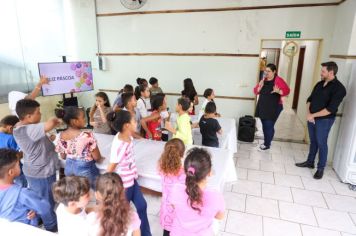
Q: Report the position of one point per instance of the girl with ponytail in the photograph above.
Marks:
(123, 163)
(113, 215)
(79, 148)
(171, 171)
(195, 205)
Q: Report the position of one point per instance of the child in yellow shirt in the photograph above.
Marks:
(183, 130)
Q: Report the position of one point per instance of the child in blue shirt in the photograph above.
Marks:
(7, 140)
(17, 203)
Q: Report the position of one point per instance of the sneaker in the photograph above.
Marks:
(263, 147)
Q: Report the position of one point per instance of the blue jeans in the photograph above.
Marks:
(43, 187)
(21, 179)
(318, 135)
(82, 168)
(135, 195)
(268, 128)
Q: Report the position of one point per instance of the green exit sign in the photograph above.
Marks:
(293, 34)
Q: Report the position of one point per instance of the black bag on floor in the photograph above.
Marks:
(247, 128)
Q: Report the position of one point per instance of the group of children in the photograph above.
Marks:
(187, 207)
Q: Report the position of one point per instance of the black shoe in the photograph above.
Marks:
(305, 164)
(319, 174)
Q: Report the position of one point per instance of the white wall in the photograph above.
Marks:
(222, 32)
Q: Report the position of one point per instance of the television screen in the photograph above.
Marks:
(66, 77)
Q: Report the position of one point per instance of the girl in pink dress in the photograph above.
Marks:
(196, 206)
(171, 170)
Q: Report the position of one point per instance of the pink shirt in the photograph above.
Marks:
(122, 154)
(281, 84)
(79, 148)
(167, 211)
(189, 222)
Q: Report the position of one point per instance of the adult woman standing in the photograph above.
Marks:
(190, 93)
(270, 89)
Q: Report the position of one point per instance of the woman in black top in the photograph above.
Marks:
(190, 93)
(270, 90)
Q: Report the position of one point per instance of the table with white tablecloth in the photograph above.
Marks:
(148, 152)
(228, 138)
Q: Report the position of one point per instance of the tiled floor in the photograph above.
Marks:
(288, 127)
(272, 197)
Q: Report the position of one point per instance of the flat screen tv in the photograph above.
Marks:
(66, 77)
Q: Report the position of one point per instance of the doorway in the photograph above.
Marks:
(300, 71)
(298, 78)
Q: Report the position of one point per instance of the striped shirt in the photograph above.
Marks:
(122, 155)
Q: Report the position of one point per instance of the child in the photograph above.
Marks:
(143, 100)
(123, 163)
(172, 172)
(21, 204)
(155, 89)
(184, 129)
(79, 148)
(195, 206)
(113, 216)
(118, 104)
(209, 97)
(190, 93)
(209, 126)
(72, 194)
(130, 104)
(99, 112)
(152, 124)
(40, 159)
(7, 140)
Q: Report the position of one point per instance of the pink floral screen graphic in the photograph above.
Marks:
(69, 77)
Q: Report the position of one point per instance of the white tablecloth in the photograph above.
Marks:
(228, 139)
(147, 154)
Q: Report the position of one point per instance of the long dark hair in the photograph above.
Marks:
(114, 210)
(157, 101)
(118, 119)
(189, 89)
(197, 167)
(105, 97)
(139, 89)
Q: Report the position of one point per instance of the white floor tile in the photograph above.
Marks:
(247, 187)
(241, 173)
(346, 234)
(334, 220)
(248, 163)
(272, 166)
(153, 204)
(342, 188)
(288, 180)
(244, 224)
(156, 228)
(235, 201)
(314, 231)
(229, 234)
(340, 203)
(353, 217)
(291, 169)
(274, 227)
(242, 154)
(276, 192)
(297, 213)
(307, 197)
(321, 185)
(261, 176)
(260, 155)
(262, 207)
